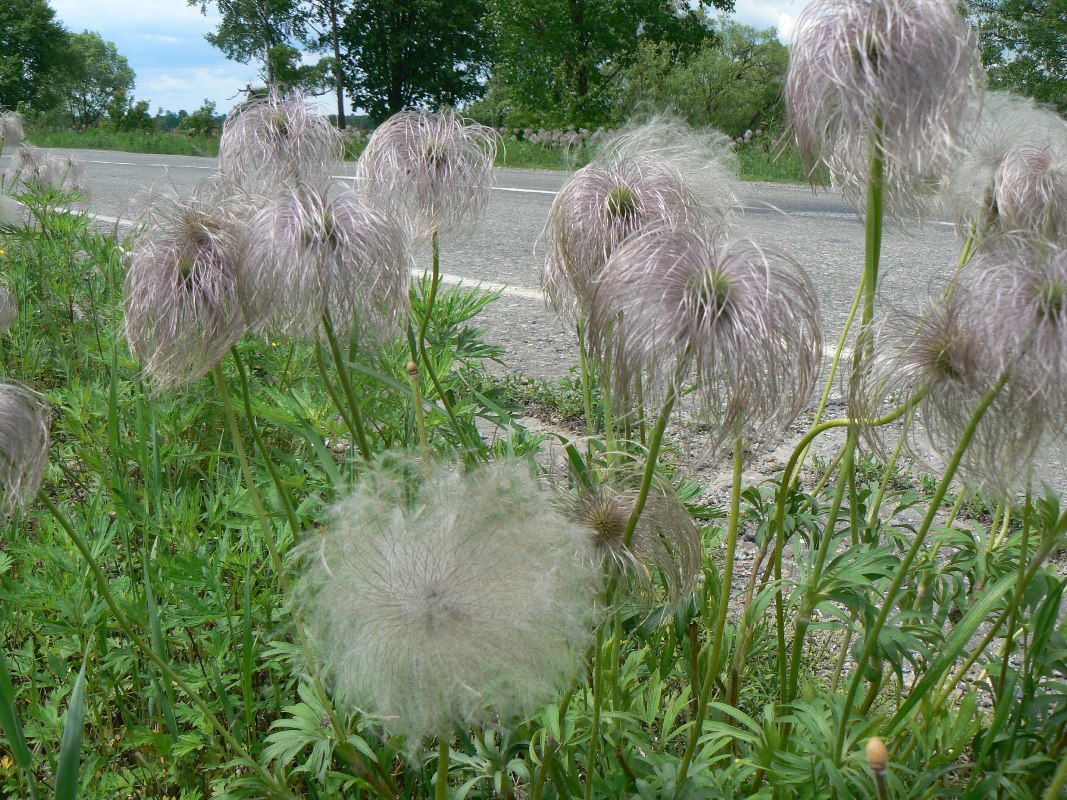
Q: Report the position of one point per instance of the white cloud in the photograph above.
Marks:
(186, 88)
(762, 14)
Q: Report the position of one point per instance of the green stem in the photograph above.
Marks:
(346, 386)
(587, 389)
(598, 691)
(420, 412)
(873, 221)
(810, 597)
(871, 640)
(250, 481)
(435, 280)
(1059, 782)
(331, 390)
(168, 671)
(720, 617)
(650, 464)
(279, 484)
(441, 784)
(1009, 634)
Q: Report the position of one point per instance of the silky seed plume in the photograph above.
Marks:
(309, 251)
(464, 600)
(23, 445)
(905, 71)
(182, 306)
(436, 168)
(278, 141)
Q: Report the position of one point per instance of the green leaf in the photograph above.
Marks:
(71, 744)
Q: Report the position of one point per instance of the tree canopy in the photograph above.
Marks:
(404, 53)
(96, 76)
(33, 47)
(562, 58)
(1024, 46)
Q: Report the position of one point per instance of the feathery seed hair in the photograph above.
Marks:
(665, 539)
(908, 69)
(9, 308)
(181, 301)
(1031, 193)
(278, 141)
(744, 320)
(944, 361)
(23, 445)
(42, 170)
(11, 130)
(311, 250)
(435, 168)
(600, 207)
(1007, 123)
(466, 600)
(1021, 286)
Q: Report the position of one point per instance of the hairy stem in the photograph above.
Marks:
(720, 616)
(346, 386)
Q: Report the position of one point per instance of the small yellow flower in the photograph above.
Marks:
(6, 763)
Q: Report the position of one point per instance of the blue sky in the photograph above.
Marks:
(176, 68)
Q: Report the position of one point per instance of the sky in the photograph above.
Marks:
(176, 68)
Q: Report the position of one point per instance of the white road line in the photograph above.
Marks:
(147, 164)
(525, 191)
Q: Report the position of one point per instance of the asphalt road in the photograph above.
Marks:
(818, 229)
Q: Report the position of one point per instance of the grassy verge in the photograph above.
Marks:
(172, 144)
(756, 163)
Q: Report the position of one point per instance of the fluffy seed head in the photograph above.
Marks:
(436, 168)
(309, 251)
(23, 445)
(181, 302)
(1009, 124)
(1031, 189)
(278, 141)
(665, 539)
(601, 206)
(743, 319)
(42, 170)
(907, 68)
(464, 600)
(944, 361)
(11, 131)
(9, 308)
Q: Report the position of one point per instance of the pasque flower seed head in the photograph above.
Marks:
(23, 445)
(181, 301)
(309, 251)
(276, 142)
(906, 72)
(463, 600)
(435, 168)
(741, 318)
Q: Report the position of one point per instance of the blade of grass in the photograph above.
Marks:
(71, 745)
(12, 727)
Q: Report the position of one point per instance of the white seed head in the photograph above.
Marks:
(742, 319)
(664, 543)
(23, 445)
(435, 168)
(309, 251)
(277, 142)
(1009, 127)
(181, 301)
(9, 308)
(908, 69)
(43, 170)
(600, 207)
(11, 130)
(464, 600)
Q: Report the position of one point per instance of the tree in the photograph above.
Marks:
(558, 59)
(96, 75)
(405, 53)
(734, 83)
(250, 29)
(1024, 46)
(327, 35)
(33, 46)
